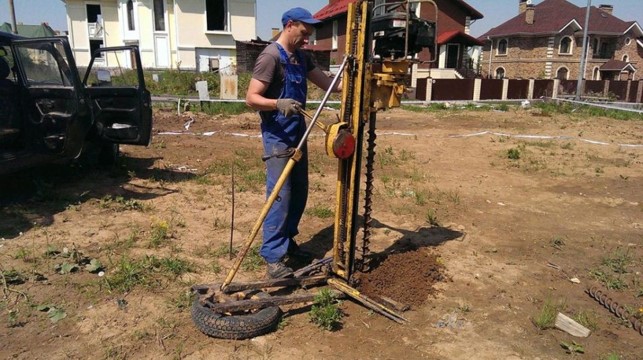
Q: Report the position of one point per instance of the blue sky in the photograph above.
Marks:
(495, 12)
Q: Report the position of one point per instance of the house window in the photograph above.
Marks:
(626, 58)
(628, 41)
(500, 73)
(503, 44)
(159, 15)
(334, 47)
(595, 44)
(312, 38)
(217, 15)
(93, 11)
(130, 16)
(596, 74)
(562, 73)
(95, 45)
(565, 46)
(378, 10)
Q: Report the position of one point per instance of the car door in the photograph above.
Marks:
(56, 116)
(121, 104)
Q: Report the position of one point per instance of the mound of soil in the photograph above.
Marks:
(407, 277)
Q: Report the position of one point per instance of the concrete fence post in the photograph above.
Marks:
(477, 86)
(530, 91)
(429, 89)
(639, 93)
(606, 88)
(627, 90)
(505, 88)
(554, 92)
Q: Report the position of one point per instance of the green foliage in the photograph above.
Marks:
(618, 261)
(586, 111)
(614, 269)
(573, 347)
(159, 233)
(546, 318)
(13, 277)
(611, 356)
(325, 312)
(513, 153)
(148, 271)
(432, 217)
(587, 319)
(54, 313)
(253, 260)
(320, 211)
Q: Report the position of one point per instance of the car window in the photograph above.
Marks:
(44, 64)
(122, 69)
(7, 56)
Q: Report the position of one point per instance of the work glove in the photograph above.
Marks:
(288, 107)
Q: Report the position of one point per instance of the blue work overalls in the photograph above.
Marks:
(280, 136)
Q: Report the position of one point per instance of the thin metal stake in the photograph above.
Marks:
(232, 221)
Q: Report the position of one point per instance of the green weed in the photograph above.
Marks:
(183, 300)
(160, 233)
(432, 217)
(513, 153)
(618, 261)
(325, 312)
(320, 211)
(587, 319)
(573, 347)
(612, 282)
(253, 260)
(611, 356)
(546, 318)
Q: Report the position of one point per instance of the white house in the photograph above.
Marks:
(185, 34)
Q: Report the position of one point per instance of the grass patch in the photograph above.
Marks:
(587, 318)
(149, 271)
(546, 317)
(320, 211)
(325, 311)
(253, 260)
(614, 270)
(587, 111)
(160, 233)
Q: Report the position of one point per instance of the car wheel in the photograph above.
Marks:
(236, 326)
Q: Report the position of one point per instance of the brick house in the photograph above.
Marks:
(545, 41)
(454, 18)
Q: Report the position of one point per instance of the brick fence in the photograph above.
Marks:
(509, 89)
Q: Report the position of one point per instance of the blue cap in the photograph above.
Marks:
(299, 14)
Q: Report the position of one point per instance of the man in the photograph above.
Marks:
(278, 90)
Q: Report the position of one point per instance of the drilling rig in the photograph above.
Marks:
(380, 52)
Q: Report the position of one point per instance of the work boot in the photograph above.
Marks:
(278, 270)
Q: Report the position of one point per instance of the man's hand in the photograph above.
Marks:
(288, 107)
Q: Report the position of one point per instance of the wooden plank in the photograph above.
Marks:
(252, 304)
(570, 326)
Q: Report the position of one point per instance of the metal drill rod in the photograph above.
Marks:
(323, 103)
(280, 182)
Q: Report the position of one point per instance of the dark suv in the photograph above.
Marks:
(49, 113)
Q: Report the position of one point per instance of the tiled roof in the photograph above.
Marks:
(341, 6)
(551, 16)
(332, 10)
(459, 36)
(41, 30)
(616, 65)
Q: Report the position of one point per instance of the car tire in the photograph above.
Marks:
(237, 326)
(99, 153)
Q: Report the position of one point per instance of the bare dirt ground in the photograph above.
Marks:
(510, 220)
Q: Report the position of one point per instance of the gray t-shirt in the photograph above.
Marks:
(268, 69)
